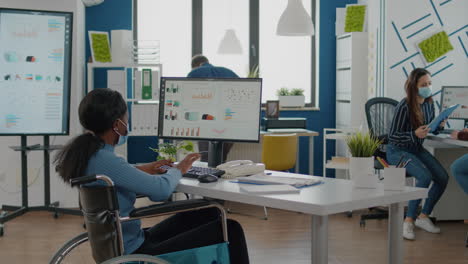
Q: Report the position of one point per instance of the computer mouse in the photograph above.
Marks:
(207, 178)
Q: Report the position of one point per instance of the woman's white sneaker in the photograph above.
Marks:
(408, 230)
(426, 224)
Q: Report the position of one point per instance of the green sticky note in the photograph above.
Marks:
(435, 46)
(355, 18)
(146, 89)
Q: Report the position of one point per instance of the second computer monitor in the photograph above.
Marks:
(452, 95)
(210, 109)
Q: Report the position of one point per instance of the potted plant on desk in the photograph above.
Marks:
(291, 98)
(362, 147)
(174, 151)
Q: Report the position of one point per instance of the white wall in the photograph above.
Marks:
(10, 165)
(389, 17)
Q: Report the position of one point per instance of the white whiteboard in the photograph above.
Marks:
(408, 22)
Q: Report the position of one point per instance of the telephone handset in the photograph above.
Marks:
(238, 168)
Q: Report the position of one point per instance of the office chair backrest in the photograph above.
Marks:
(279, 151)
(101, 214)
(379, 113)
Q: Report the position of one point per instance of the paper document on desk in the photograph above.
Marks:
(271, 179)
(269, 189)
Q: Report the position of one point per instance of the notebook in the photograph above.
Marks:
(268, 189)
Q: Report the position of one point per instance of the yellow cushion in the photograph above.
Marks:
(279, 151)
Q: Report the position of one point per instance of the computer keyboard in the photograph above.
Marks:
(195, 171)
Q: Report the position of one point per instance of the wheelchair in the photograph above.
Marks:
(103, 223)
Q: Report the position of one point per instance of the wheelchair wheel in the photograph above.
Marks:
(76, 250)
(136, 259)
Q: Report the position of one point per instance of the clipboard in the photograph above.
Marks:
(441, 117)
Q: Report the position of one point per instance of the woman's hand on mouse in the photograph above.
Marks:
(187, 162)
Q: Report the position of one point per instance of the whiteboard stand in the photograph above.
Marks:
(15, 211)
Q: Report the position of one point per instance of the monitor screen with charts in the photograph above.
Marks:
(35, 72)
(452, 95)
(210, 109)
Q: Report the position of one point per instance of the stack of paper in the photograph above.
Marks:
(269, 189)
(274, 180)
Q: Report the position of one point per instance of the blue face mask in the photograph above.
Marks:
(122, 138)
(425, 92)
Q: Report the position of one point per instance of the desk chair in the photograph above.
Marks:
(379, 114)
(101, 214)
(279, 152)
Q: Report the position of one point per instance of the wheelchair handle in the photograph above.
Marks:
(90, 178)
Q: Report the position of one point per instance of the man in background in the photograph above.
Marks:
(201, 68)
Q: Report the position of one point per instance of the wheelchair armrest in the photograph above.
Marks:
(169, 207)
(83, 180)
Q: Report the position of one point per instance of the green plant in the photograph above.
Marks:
(254, 72)
(169, 150)
(283, 91)
(362, 144)
(296, 91)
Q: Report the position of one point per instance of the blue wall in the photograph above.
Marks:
(110, 15)
(117, 14)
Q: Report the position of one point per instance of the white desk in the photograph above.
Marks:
(445, 138)
(253, 151)
(447, 150)
(334, 196)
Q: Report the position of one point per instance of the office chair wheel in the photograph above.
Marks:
(362, 223)
(66, 253)
(136, 258)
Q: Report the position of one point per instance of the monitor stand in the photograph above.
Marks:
(215, 153)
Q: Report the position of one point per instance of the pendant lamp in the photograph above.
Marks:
(230, 44)
(295, 21)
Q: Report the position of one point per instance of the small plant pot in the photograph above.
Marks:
(292, 100)
(361, 170)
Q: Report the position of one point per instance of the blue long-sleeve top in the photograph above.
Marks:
(207, 70)
(129, 182)
(402, 133)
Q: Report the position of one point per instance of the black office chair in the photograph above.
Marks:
(101, 214)
(379, 113)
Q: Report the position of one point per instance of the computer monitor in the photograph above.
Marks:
(452, 95)
(35, 72)
(216, 110)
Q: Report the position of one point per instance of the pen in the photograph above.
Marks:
(406, 163)
(399, 162)
(382, 161)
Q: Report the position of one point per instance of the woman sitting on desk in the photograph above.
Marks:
(460, 166)
(103, 112)
(406, 137)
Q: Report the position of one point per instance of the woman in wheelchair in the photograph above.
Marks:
(103, 113)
